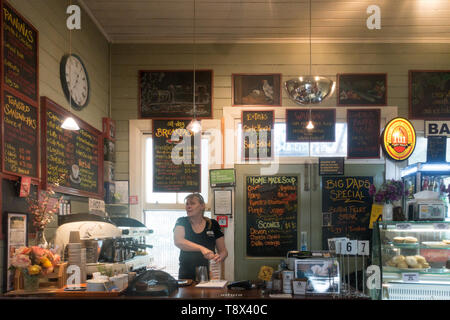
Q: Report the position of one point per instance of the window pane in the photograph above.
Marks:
(420, 152)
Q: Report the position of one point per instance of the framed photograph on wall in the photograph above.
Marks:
(169, 94)
(428, 94)
(17, 230)
(262, 89)
(362, 89)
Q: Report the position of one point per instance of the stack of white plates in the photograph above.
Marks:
(77, 256)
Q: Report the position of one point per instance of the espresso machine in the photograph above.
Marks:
(116, 243)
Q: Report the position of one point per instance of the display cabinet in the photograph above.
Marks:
(414, 260)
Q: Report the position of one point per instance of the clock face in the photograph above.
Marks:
(75, 81)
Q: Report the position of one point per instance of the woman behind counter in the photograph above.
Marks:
(197, 237)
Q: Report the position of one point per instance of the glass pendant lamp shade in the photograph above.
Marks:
(309, 89)
(195, 126)
(70, 124)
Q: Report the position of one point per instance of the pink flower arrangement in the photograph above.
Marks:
(34, 260)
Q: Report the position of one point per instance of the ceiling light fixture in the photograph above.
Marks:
(195, 125)
(309, 89)
(70, 123)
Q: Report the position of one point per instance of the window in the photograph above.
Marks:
(172, 198)
(301, 149)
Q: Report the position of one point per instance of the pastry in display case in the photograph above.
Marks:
(413, 258)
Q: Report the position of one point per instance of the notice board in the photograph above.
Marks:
(363, 133)
(75, 155)
(176, 157)
(271, 211)
(324, 121)
(348, 201)
(257, 134)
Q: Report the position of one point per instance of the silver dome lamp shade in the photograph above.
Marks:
(309, 89)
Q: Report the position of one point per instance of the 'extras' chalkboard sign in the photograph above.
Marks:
(436, 149)
(271, 215)
(20, 54)
(176, 157)
(257, 135)
(363, 133)
(75, 157)
(20, 137)
(348, 201)
(324, 121)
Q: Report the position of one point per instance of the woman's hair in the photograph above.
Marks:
(200, 199)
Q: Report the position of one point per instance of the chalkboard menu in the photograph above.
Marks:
(20, 57)
(348, 201)
(20, 137)
(271, 215)
(363, 133)
(75, 156)
(329, 166)
(176, 157)
(436, 149)
(324, 121)
(257, 138)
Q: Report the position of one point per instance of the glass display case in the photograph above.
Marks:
(414, 260)
(427, 176)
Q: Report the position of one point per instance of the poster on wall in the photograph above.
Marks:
(362, 89)
(16, 225)
(256, 89)
(363, 133)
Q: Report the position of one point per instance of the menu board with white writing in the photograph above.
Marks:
(75, 157)
(176, 157)
(257, 134)
(348, 201)
(20, 137)
(271, 215)
(20, 55)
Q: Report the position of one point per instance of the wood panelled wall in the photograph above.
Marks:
(289, 59)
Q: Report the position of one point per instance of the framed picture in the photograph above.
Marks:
(362, 89)
(262, 89)
(16, 228)
(223, 202)
(428, 94)
(122, 191)
(169, 94)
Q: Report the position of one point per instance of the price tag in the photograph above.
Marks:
(441, 226)
(351, 247)
(410, 277)
(363, 247)
(403, 226)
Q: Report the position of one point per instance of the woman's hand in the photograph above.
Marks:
(207, 254)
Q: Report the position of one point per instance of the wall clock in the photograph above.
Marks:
(74, 81)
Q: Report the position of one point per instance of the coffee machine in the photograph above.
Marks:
(118, 243)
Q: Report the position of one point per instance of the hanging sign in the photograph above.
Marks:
(399, 139)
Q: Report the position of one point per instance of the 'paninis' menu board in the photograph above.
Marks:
(20, 137)
(363, 133)
(324, 121)
(348, 201)
(176, 157)
(257, 135)
(75, 156)
(20, 57)
(271, 215)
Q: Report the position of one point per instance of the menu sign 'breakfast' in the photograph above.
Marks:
(363, 133)
(75, 156)
(257, 137)
(348, 201)
(20, 138)
(176, 157)
(19, 53)
(271, 215)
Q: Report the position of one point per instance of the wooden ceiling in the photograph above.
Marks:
(268, 21)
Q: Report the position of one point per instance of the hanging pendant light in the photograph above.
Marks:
(195, 125)
(70, 123)
(309, 89)
(310, 124)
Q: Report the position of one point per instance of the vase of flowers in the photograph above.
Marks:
(43, 207)
(390, 192)
(33, 262)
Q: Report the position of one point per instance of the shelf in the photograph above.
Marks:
(414, 246)
(429, 271)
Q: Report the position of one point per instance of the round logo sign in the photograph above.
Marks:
(399, 139)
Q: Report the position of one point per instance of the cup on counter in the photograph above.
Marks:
(201, 274)
(74, 237)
